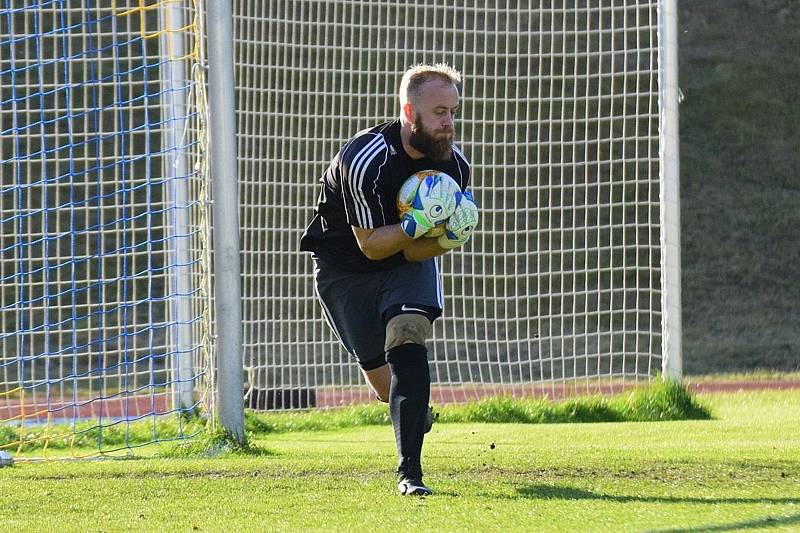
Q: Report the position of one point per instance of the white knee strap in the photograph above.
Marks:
(405, 328)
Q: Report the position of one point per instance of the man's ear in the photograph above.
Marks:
(408, 112)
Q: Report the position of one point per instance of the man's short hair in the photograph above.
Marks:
(418, 75)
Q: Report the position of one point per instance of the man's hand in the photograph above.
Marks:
(461, 224)
(435, 201)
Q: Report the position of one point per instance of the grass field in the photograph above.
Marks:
(739, 471)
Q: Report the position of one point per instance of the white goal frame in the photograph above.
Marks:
(306, 81)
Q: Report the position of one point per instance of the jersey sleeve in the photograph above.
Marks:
(463, 166)
(362, 161)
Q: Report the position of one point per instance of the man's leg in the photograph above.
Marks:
(380, 379)
(349, 304)
(409, 394)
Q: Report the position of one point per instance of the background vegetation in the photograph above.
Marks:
(740, 188)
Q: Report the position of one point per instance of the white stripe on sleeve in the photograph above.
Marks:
(361, 163)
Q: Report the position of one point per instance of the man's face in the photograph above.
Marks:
(433, 129)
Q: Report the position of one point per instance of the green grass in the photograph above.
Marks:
(761, 375)
(88, 434)
(214, 442)
(738, 471)
(657, 401)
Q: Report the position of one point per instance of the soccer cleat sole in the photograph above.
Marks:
(410, 488)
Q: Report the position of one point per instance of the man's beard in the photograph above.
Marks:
(438, 149)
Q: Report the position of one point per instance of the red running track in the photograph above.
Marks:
(160, 404)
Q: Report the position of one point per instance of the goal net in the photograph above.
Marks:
(560, 289)
(103, 239)
(104, 233)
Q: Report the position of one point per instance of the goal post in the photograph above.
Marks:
(226, 220)
(175, 85)
(572, 279)
(669, 98)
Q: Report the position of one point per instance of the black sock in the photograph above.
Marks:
(409, 396)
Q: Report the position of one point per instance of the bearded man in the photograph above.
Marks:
(377, 281)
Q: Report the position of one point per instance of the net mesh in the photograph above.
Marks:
(104, 282)
(560, 288)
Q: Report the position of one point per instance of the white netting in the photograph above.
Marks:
(560, 121)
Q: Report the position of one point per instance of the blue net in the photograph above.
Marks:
(103, 266)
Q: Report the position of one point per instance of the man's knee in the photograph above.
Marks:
(379, 380)
(407, 328)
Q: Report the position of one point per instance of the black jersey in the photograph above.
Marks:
(360, 187)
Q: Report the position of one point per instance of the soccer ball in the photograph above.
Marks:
(408, 192)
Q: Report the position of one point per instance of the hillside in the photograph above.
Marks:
(740, 188)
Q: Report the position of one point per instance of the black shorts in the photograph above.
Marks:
(357, 306)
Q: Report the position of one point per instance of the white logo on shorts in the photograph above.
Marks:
(405, 308)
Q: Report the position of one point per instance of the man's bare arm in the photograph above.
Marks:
(386, 241)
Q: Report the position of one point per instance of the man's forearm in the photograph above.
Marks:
(381, 242)
(422, 249)
(386, 241)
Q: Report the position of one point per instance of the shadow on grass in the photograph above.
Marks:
(548, 492)
(757, 523)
